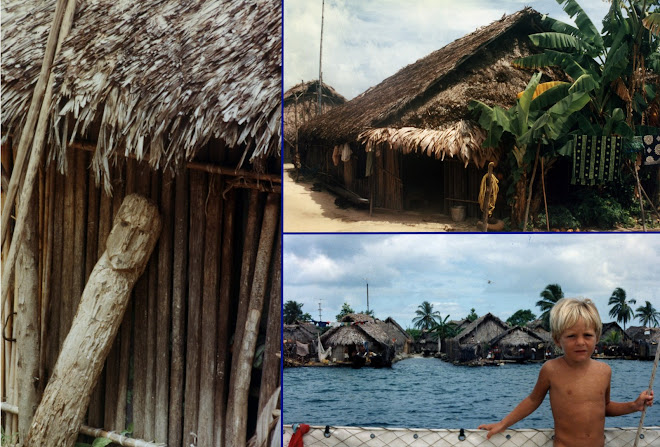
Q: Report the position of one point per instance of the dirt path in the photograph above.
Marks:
(307, 211)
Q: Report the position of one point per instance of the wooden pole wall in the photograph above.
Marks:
(187, 309)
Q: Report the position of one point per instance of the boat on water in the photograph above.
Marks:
(329, 436)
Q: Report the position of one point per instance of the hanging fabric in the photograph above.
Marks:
(346, 153)
(323, 353)
(651, 149)
(302, 349)
(336, 155)
(595, 159)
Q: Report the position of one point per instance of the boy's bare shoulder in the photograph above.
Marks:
(601, 367)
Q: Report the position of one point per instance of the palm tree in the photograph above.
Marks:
(549, 297)
(426, 317)
(292, 312)
(647, 315)
(621, 309)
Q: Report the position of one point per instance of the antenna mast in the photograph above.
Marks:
(320, 85)
(320, 310)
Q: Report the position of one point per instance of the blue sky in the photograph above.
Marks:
(497, 273)
(366, 41)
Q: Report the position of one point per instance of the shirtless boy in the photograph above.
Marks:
(579, 386)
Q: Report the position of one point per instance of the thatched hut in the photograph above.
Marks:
(475, 340)
(427, 343)
(519, 343)
(300, 104)
(414, 129)
(645, 340)
(623, 347)
(348, 339)
(397, 335)
(300, 332)
(178, 101)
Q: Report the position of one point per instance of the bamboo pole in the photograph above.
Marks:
(26, 393)
(545, 199)
(96, 432)
(164, 307)
(27, 134)
(142, 428)
(209, 343)
(240, 375)
(68, 295)
(179, 281)
(222, 331)
(270, 372)
(195, 288)
(55, 302)
(35, 159)
(531, 185)
(152, 315)
(655, 367)
(46, 275)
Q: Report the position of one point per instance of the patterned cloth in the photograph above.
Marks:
(595, 159)
(651, 154)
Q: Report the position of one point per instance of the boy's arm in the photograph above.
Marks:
(524, 408)
(645, 399)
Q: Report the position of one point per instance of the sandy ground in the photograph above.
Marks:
(307, 211)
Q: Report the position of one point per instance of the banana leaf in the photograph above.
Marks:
(561, 41)
(584, 83)
(582, 21)
(494, 120)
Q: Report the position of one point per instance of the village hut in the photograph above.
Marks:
(645, 340)
(178, 102)
(397, 335)
(303, 334)
(623, 347)
(427, 343)
(411, 139)
(475, 340)
(520, 344)
(348, 339)
(300, 104)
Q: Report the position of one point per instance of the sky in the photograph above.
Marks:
(497, 273)
(366, 41)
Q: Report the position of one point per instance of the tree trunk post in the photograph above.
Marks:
(133, 237)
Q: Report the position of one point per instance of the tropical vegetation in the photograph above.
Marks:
(345, 310)
(647, 315)
(607, 92)
(621, 309)
(426, 317)
(293, 311)
(521, 317)
(549, 297)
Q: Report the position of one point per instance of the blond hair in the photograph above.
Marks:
(568, 311)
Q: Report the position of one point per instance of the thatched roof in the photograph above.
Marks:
(434, 92)
(643, 333)
(486, 320)
(356, 318)
(391, 321)
(302, 332)
(614, 326)
(517, 336)
(355, 334)
(303, 98)
(157, 79)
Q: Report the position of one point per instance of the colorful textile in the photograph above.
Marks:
(595, 159)
(651, 154)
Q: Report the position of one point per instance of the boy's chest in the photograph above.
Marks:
(578, 387)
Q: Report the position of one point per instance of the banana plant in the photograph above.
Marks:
(532, 121)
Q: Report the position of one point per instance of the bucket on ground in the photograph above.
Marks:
(458, 213)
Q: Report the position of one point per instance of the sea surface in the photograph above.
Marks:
(430, 393)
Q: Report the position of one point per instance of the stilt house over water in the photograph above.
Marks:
(179, 102)
(519, 343)
(475, 340)
(412, 143)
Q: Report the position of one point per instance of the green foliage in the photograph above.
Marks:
(521, 317)
(621, 309)
(647, 315)
(472, 315)
(368, 312)
(8, 439)
(560, 217)
(445, 329)
(292, 312)
(345, 310)
(549, 297)
(612, 338)
(604, 212)
(414, 333)
(426, 317)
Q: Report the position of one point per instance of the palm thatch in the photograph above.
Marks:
(357, 318)
(434, 92)
(302, 99)
(483, 329)
(155, 79)
(355, 334)
(517, 337)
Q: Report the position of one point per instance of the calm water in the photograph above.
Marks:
(430, 393)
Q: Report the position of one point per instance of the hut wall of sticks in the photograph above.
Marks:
(178, 102)
(416, 121)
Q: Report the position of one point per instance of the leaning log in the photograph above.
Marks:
(105, 298)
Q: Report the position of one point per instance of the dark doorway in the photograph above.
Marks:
(423, 188)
